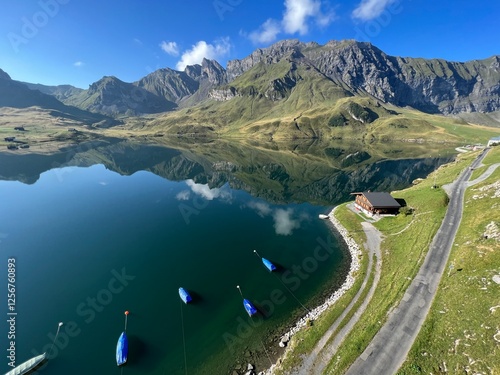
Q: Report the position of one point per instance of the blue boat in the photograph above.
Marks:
(249, 307)
(122, 349)
(185, 295)
(271, 267)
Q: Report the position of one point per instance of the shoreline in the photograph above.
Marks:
(355, 252)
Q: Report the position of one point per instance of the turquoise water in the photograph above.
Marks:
(119, 225)
(89, 243)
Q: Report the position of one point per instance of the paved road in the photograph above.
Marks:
(390, 346)
(321, 355)
(485, 175)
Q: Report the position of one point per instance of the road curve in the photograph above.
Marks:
(390, 346)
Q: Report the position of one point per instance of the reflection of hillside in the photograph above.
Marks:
(309, 171)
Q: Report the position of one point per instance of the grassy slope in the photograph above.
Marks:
(306, 111)
(44, 133)
(403, 250)
(292, 100)
(458, 333)
(405, 246)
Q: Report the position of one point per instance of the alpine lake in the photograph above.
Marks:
(119, 225)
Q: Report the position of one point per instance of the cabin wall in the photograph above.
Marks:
(364, 203)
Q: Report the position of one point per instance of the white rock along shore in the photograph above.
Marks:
(355, 252)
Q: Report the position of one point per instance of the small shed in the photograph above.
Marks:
(494, 141)
(376, 203)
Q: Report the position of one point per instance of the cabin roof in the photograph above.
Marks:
(380, 199)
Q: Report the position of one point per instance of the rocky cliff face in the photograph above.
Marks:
(270, 55)
(222, 95)
(169, 84)
(433, 86)
(209, 75)
(4, 75)
(112, 96)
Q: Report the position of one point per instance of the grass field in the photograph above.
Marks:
(406, 243)
(462, 332)
(44, 133)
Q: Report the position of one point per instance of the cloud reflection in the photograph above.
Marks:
(262, 208)
(204, 191)
(284, 224)
(285, 220)
(183, 195)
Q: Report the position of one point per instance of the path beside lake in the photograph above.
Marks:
(390, 346)
(318, 359)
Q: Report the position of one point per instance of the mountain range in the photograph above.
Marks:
(301, 80)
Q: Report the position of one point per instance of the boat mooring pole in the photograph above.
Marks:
(237, 286)
(57, 334)
(255, 251)
(126, 318)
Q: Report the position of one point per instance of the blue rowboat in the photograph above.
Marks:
(249, 307)
(271, 267)
(183, 293)
(122, 349)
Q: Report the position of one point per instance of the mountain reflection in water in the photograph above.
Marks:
(314, 172)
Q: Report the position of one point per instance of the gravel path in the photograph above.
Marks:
(325, 349)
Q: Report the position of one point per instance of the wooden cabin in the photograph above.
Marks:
(376, 203)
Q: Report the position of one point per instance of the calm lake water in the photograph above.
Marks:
(116, 227)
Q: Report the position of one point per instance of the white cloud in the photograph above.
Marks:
(284, 224)
(79, 64)
(183, 195)
(296, 19)
(262, 209)
(370, 9)
(296, 14)
(201, 50)
(170, 47)
(266, 33)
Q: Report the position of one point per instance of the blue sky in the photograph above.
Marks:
(77, 42)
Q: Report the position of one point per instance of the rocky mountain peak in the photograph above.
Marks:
(193, 71)
(270, 55)
(213, 71)
(105, 83)
(4, 75)
(169, 84)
